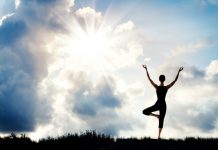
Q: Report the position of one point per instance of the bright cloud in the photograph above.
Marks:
(89, 13)
(17, 3)
(191, 48)
(212, 69)
(5, 17)
(124, 27)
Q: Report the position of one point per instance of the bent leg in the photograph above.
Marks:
(149, 110)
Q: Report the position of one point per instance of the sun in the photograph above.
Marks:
(94, 43)
(91, 44)
(89, 50)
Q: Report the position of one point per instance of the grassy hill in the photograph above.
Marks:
(97, 141)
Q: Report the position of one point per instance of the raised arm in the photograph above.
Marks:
(172, 83)
(152, 82)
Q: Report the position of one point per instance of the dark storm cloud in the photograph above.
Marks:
(47, 2)
(97, 105)
(203, 117)
(197, 73)
(113, 129)
(42, 2)
(17, 100)
(206, 117)
(206, 120)
(22, 66)
(11, 31)
(95, 99)
(48, 14)
(18, 94)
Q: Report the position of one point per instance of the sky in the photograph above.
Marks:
(69, 66)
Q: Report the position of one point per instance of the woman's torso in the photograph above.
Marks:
(161, 93)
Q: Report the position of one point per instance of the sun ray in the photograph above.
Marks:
(91, 45)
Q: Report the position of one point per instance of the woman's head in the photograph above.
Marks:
(161, 78)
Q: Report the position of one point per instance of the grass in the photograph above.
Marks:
(93, 140)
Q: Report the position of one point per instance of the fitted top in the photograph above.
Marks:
(161, 93)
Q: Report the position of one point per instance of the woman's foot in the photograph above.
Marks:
(157, 116)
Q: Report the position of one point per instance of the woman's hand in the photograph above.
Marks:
(180, 69)
(144, 66)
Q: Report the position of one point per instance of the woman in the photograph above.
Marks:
(160, 104)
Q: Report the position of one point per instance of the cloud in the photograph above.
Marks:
(5, 17)
(20, 102)
(212, 69)
(17, 111)
(55, 4)
(147, 59)
(11, 31)
(101, 97)
(92, 104)
(89, 13)
(128, 26)
(17, 3)
(24, 63)
(17, 101)
(196, 116)
(84, 103)
(205, 118)
(191, 48)
(81, 86)
(6, 7)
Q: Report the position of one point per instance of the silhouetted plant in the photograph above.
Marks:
(93, 140)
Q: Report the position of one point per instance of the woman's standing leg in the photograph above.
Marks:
(160, 129)
(161, 118)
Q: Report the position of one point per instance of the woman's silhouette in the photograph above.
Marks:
(160, 104)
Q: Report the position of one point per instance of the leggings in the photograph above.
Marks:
(155, 107)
